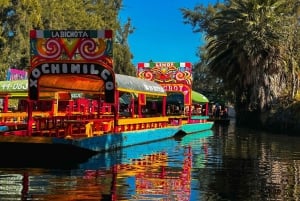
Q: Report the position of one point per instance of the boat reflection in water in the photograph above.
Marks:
(152, 171)
(147, 170)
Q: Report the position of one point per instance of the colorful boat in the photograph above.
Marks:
(76, 101)
(188, 107)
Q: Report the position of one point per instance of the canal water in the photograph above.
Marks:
(227, 163)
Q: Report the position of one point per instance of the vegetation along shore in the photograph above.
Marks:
(250, 57)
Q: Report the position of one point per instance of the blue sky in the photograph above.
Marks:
(160, 34)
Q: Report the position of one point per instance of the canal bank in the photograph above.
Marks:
(283, 119)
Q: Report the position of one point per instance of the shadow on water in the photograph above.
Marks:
(42, 156)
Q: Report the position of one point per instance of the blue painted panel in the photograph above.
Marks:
(119, 140)
(113, 141)
(199, 117)
(196, 127)
(3, 128)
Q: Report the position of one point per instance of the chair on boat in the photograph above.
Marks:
(89, 129)
(97, 128)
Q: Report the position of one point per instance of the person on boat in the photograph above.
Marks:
(218, 111)
(225, 113)
(213, 110)
(177, 109)
(199, 110)
(203, 111)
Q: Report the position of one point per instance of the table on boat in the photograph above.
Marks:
(95, 126)
(175, 120)
(15, 125)
(70, 125)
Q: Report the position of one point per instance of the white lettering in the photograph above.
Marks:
(104, 74)
(109, 86)
(65, 68)
(75, 68)
(33, 83)
(93, 70)
(69, 34)
(85, 69)
(45, 68)
(55, 69)
(36, 73)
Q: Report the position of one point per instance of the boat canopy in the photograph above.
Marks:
(78, 83)
(14, 88)
(19, 88)
(135, 85)
(178, 97)
(199, 98)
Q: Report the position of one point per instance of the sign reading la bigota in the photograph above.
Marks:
(75, 52)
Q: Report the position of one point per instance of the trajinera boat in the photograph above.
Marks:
(73, 100)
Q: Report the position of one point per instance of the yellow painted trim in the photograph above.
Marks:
(13, 114)
(20, 94)
(127, 121)
(21, 139)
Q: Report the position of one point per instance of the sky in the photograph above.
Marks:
(160, 34)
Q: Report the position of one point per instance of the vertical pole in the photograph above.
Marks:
(71, 106)
(5, 104)
(29, 117)
(164, 106)
(206, 109)
(116, 110)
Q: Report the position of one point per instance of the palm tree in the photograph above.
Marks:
(246, 43)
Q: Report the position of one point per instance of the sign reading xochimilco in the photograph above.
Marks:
(61, 55)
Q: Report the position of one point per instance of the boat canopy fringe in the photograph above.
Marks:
(137, 85)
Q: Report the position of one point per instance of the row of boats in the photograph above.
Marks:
(73, 101)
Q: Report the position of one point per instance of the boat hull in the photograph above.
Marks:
(196, 127)
(114, 141)
(77, 150)
(100, 143)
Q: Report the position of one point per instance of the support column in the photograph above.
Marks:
(29, 118)
(164, 106)
(5, 103)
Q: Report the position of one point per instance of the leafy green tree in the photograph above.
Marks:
(19, 17)
(16, 21)
(122, 51)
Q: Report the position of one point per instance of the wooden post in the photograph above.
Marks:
(5, 104)
(29, 118)
(164, 106)
(206, 109)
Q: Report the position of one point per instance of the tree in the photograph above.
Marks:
(246, 49)
(122, 54)
(16, 20)
(19, 17)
